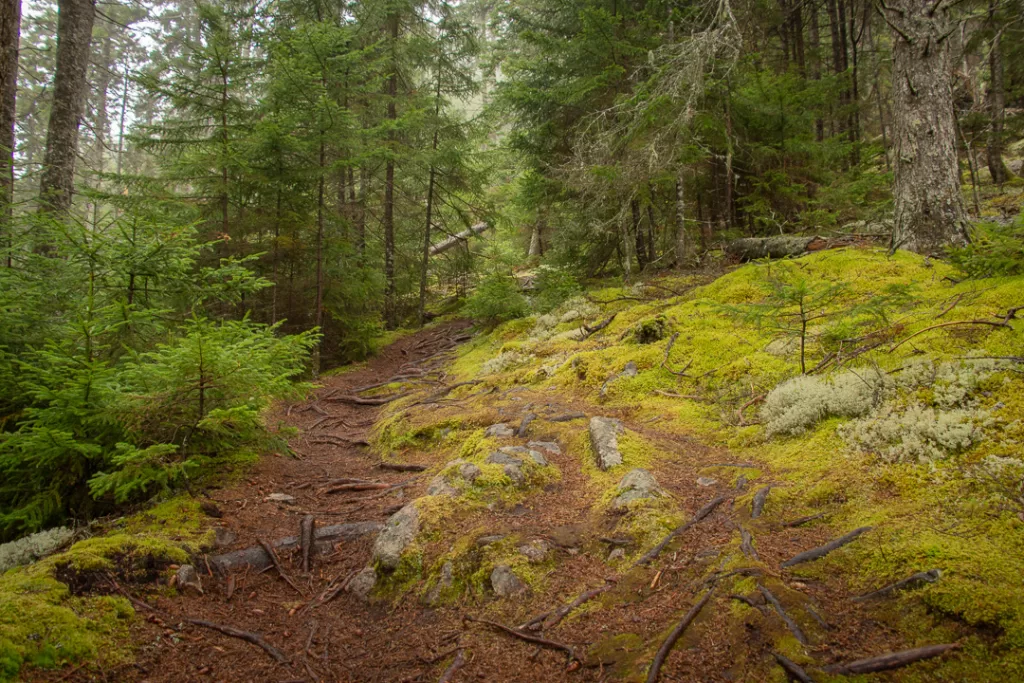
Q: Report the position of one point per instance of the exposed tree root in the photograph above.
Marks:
(554, 617)
(793, 670)
(893, 660)
(536, 640)
(666, 647)
(269, 549)
(790, 624)
(822, 551)
(254, 638)
(453, 668)
(760, 498)
(653, 553)
(800, 521)
(930, 576)
(307, 541)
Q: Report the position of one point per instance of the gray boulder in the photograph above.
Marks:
(535, 551)
(604, 438)
(500, 430)
(534, 455)
(399, 531)
(469, 472)
(549, 447)
(503, 458)
(638, 484)
(514, 473)
(505, 583)
(439, 486)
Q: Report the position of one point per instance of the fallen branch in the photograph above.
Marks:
(893, 660)
(457, 663)
(930, 576)
(739, 413)
(668, 350)
(691, 397)
(677, 632)
(359, 486)
(790, 624)
(590, 331)
(254, 638)
(536, 640)
(269, 549)
(800, 521)
(1002, 323)
(822, 551)
(653, 553)
(760, 498)
(568, 417)
(555, 616)
(792, 669)
(360, 401)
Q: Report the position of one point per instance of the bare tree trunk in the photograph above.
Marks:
(390, 312)
(10, 33)
(929, 207)
(535, 240)
(996, 104)
(74, 34)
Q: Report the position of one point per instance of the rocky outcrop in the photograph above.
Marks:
(499, 431)
(398, 533)
(604, 438)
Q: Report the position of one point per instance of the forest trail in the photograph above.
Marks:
(401, 638)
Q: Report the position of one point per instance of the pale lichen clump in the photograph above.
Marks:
(33, 547)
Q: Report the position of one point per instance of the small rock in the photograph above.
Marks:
(362, 583)
(188, 578)
(503, 458)
(616, 555)
(549, 447)
(706, 481)
(399, 531)
(439, 486)
(469, 472)
(604, 439)
(444, 582)
(500, 430)
(535, 551)
(485, 541)
(638, 484)
(515, 474)
(223, 537)
(281, 498)
(505, 583)
(630, 370)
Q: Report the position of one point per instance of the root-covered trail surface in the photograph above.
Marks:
(398, 636)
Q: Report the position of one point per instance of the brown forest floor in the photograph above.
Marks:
(405, 640)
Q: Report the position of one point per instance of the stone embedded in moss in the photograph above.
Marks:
(650, 331)
(604, 438)
(638, 484)
(362, 584)
(499, 431)
(398, 533)
(505, 583)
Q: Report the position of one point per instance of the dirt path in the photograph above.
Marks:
(348, 639)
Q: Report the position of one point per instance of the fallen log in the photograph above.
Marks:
(659, 658)
(254, 638)
(590, 331)
(458, 238)
(536, 640)
(790, 624)
(893, 660)
(653, 553)
(822, 551)
(793, 670)
(257, 559)
(760, 498)
(930, 576)
(777, 246)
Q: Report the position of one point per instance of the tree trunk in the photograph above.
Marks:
(996, 104)
(929, 207)
(682, 241)
(390, 312)
(535, 240)
(815, 49)
(638, 235)
(10, 32)
(74, 33)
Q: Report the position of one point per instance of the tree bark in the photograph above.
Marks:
(10, 32)
(638, 235)
(390, 312)
(74, 34)
(682, 241)
(996, 104)
(929, 207)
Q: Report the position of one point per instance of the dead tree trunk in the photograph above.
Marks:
(74, 34)
(10, 31)
(929, 208)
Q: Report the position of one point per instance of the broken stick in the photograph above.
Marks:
(893, 660)
(307, 539)
(269, 549)
(653, 553)
(822, 551)
(536, 640)
(674, 636)
(254, 638)
(790, 624)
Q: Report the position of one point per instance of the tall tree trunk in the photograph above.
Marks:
(10, 33)
(835, 25)
(638, 235)
(318, 308)
(996, 103)
(682, 245)
(390, 312)
(929, 207)
(74, 34)
(815, 48)
(360, 208)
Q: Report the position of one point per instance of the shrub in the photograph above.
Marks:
(497, 298)
(995, 250)
(554, 286)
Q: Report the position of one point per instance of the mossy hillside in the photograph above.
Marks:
(44, 624)
(925, 515)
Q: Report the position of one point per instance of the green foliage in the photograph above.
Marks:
(554, 286)
(497, 298)
(996, 249)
